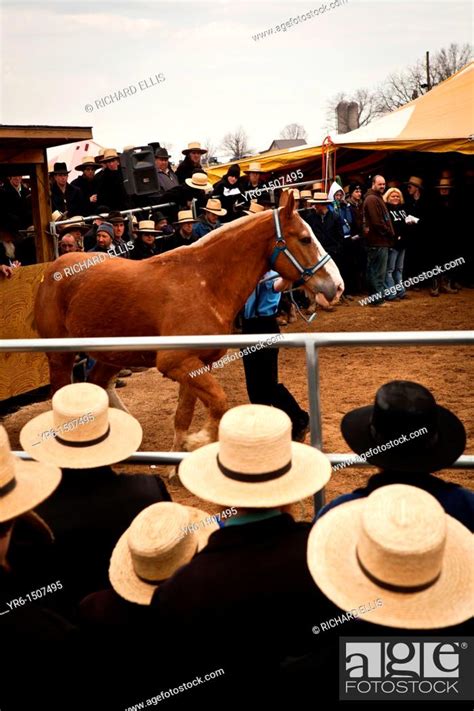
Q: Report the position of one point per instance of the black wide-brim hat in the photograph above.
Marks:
(402, 408)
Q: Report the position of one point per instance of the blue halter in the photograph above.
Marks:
(281, 248)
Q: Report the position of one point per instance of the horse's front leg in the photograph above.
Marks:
(195, 384)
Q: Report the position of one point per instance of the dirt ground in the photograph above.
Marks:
(349, 379)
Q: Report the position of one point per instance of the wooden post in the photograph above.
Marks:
(41, 204)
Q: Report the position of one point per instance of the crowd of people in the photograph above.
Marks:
(112, 592)
(378, 232)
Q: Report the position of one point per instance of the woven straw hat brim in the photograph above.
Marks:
(88, 164)
(122, 575)
(355, 428)
(124, 439)
(215, 212)
(207, 186)
(34, 483)
(333, 564)
(73, 227)
(201, 475)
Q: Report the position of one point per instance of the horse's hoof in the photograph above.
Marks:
(196, 440)
(170, 472)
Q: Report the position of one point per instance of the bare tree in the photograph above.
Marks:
(367, 102)
(401, 87)
(294, 130)
(211, 151)
(236, 144)
(448, 61)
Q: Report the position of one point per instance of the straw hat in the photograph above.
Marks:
(318, 187)
(57, 216)
(106, 436)
(23, 485)
(254, 168)
(88, 162)
(319, 199)
(254, 207)
(305, 194)
(194, 147)
(148, 227)
(214, 205)
(402, 408)
(445, 183)
(74, 223)
(184, 216)
(109, 154)
(199, 181)
(255, 464)
(414, 180)
(154, 547)
(397, 544)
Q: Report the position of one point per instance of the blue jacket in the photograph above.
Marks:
(263, 301)
(455, 500)
(203, 227)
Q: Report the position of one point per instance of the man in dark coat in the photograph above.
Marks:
(418, 257)
(325, 225)
(65, 197)
(29, 585)
(93, 505)
(87, 184)
(399, 409)
(191, 162)
(167, 178)
(109, 182)
(15, 200)
(250, 185)
(380, 236)
(183, 235)
(252, 577)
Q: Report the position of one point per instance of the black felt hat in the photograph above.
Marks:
(401, 409)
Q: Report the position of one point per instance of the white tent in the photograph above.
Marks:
(73, 154)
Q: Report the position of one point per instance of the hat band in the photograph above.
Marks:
(84, 443)
(149, 581)
(4, 490)
(253, 478)
(152, 581)
(395, 588)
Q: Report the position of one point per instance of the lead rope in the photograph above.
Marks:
(308, 320)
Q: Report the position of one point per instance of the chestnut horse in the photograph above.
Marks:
(197, 289)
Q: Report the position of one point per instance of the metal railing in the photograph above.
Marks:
(311, 342)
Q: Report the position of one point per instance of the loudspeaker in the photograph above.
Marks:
(139, 172)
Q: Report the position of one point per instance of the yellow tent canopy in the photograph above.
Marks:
(273, 160)
(441, 120)
(437, 122)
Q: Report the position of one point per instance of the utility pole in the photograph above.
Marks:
(428, 81)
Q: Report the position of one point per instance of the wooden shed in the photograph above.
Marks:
(24, 147)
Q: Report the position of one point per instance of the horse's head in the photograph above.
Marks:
(303, 250)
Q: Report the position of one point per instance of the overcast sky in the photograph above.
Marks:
(57, 57)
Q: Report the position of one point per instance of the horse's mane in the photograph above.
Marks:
(218, 235)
